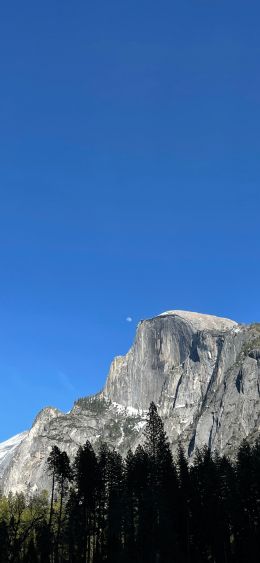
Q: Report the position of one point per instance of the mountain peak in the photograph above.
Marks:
(202, 321)
(203, 373)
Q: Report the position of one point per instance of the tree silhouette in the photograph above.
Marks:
(86, 481)
(53, 462)
(144, 509)
(64, 476)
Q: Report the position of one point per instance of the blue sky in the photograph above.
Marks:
(129, 182)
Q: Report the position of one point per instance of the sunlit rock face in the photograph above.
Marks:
(202, 371)
(7, 450)
(162, 345)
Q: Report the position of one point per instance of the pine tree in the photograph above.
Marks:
(143, 503)
(86, 482)
(155, 436)
(130, 507)
(184, 507)
(73, 530)
(53, 462)
(255, 452)
(115, 507)
(162, 479)
(102, 502)
(64, 476)
(246, 538)
(227, 495)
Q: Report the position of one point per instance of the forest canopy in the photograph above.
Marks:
(146, 508)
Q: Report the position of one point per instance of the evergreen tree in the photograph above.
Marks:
(115, 507)
(142, 510)
(255, 452)
(102, 502)
(64, 476)
(143, 506)
(227, 493)
(162, 478)
(86, 481)
(209, 532)
(246, 522)
(184, 500)
(53, 463)
(73, 528)
(130, 512)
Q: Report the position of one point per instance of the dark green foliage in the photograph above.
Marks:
(144, 509)
(59, 468)
(53, 462)
(94, 404)
(162, 482)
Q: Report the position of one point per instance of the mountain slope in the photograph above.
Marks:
(7, 450)
(202, 371)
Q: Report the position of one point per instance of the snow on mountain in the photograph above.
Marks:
(203, 372)
(7, 449)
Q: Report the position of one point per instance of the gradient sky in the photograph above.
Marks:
(129, 182)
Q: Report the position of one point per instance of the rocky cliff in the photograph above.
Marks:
(202, 371)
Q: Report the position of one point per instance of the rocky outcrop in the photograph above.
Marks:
(92, 418)
(162, 345)
(202, 371)
(7, 450)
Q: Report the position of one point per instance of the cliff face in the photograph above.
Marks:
(202, 371)
(162, 345)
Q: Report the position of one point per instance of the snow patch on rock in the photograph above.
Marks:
(7, 449)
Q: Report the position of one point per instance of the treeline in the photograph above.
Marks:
(143, 509)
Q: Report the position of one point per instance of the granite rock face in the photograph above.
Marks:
(202, 371)
(7, 450)
(162, 344)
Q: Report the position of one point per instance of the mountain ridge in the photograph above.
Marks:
(202, 371)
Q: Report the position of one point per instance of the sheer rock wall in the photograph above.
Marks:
(203, 372)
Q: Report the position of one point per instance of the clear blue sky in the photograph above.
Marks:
(129, 182)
